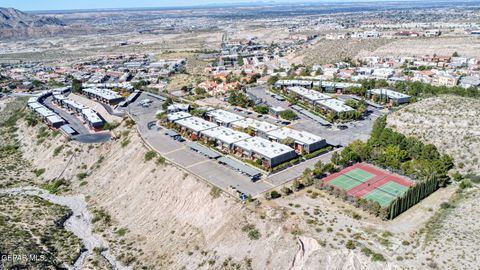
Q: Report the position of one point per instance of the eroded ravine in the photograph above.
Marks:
(79, 223)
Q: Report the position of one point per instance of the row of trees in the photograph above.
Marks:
(414, 89)
(412, 196)
(240, 99)
(404, 155)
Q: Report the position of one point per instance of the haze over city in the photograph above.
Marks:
(30, 5)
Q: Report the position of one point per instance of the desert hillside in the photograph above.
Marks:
(449, 122)
(155, 215)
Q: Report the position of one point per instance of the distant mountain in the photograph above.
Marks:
(17, 24)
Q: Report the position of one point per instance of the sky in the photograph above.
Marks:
(31, 5)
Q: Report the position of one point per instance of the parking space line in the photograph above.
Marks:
(176, 150)
(198, 163)
(266, 181)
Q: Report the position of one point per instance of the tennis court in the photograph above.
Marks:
(344, 182)
(369, 182)
(379, 196)
(359, 174)
(393, 189)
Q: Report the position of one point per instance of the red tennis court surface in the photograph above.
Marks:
(366, 181)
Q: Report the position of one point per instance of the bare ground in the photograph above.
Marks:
(331, 51)
(444, 46)
(161, 217)
(451, 123)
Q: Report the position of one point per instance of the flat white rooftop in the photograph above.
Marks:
(195, 124)
(44, 112)
(390, 93)
(34, 105)
(294, 82)
(335, 105)
(264, 147)
(172, 117)
(308, 94)
(226, 135)
(91, 116)
(254, 124)
(59, 97)
(225, 117)
(336, 84)
(301, 137)
(73, 104)
(55, 119)
(33, 99)
(178, 107)
(103, 93)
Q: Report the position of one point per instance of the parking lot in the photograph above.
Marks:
(225, 177)
(355, 130)
(84, 135)
(178, 153)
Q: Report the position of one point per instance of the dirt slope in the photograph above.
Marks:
(170, 218)
(156, 215)
(450, 123)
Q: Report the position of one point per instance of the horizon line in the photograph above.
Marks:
(221, 4)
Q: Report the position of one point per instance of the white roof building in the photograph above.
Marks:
(178, 107)
(44, 112)
(275, 153)
(308, 94)
(226, 135)
(34, 105)
(302, 137)
(55, 120)
(393, 95)
(91, 116)
(223, 117)
(254, 124)
(103, 93)
(74, 105)
(335, 105)
(195, 124)
(172, 117)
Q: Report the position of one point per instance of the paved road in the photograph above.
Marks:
(223, 176)
(84, 136)
(72, 120)
(285, 176)
(177, 152)
(356, 129)
(111, 111)
(93, 138)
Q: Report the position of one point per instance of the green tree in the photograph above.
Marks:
(240, 60)
(260, 109)
(288, 115)
(296, 185)
(76, 86)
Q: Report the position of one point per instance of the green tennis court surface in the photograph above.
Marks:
(394, 189)
(360, 175)
(379, 196)
(351, 179)
(344, 182)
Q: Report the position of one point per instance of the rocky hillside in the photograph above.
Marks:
(156, 216)
(450, 123)
(17, 24)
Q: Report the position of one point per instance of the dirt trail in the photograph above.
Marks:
(80, 224)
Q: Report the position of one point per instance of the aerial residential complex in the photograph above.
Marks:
(103, 95)
(392, 96)
(227, 131)
(316, 98)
